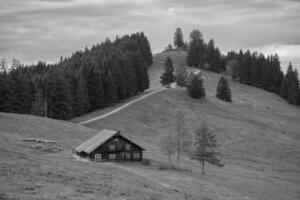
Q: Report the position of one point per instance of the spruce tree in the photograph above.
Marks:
(196, 51)
(5, 93)
(178, 38)
(38, 104)
(245, 67)
(293, 93)
(167, 77)
(80, 98)
(20, 92)
(195, 88)
(58, 96)
(206, 145)
(223, 90)
(210, 51)
(287, 81)
(111, 95)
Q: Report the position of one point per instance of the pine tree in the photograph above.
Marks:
(20, 92)
(293, 93)
(245, 67)
(195, 88)
(216, 61)
(178, 38)
(206, 145)
(210, 51)
(130, 75)
(5, 93)
(38, 104)
(139, 65)
(80, 98)
(223, 90)
(167, 77)
(58, 96)
(287, 82)
(110, 90)
(196, 49)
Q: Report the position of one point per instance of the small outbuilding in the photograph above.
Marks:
(109, 145)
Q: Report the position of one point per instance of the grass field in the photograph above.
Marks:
(259, 133)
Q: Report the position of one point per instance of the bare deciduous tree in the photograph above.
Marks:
(182, 134)
(168, 146)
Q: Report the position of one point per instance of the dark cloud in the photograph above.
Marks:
(51, 28)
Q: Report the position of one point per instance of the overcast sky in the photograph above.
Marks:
(32, 30)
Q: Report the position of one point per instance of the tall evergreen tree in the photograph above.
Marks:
(196, 51)
(5, 93)
(195, 88)
(287, 81)
(167, 77)
(178, 38)
(58, 96)
(111, 95)
(245, 68)
(38, 106)
(210, 51)
(21, 95)
(223, 90)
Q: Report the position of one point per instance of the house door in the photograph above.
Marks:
(97, 157)
(121, 156)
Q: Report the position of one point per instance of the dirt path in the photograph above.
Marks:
(121, 107)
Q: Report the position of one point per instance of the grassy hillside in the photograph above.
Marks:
(259, 133)
(30, 170)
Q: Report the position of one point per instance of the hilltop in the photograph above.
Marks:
(259, 133)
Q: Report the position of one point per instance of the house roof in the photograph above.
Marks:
(94, 142)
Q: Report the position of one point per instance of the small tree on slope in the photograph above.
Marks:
(181, 76)
(195, 88)
(223, 90)
(167, 77)
(168, 146)
(205, 144)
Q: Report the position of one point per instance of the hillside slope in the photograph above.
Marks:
(259, 133)
(30, 170)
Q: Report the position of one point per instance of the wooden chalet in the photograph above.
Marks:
(110, 145)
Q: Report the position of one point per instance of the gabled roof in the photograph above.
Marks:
(95, 141)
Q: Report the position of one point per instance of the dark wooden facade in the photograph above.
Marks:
(116, 148)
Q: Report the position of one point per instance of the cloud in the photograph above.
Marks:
(33, 30)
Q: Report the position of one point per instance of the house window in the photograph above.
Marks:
(136, 155)
(112, 156)
(127, 146)
(112, 147)
(127, 156)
